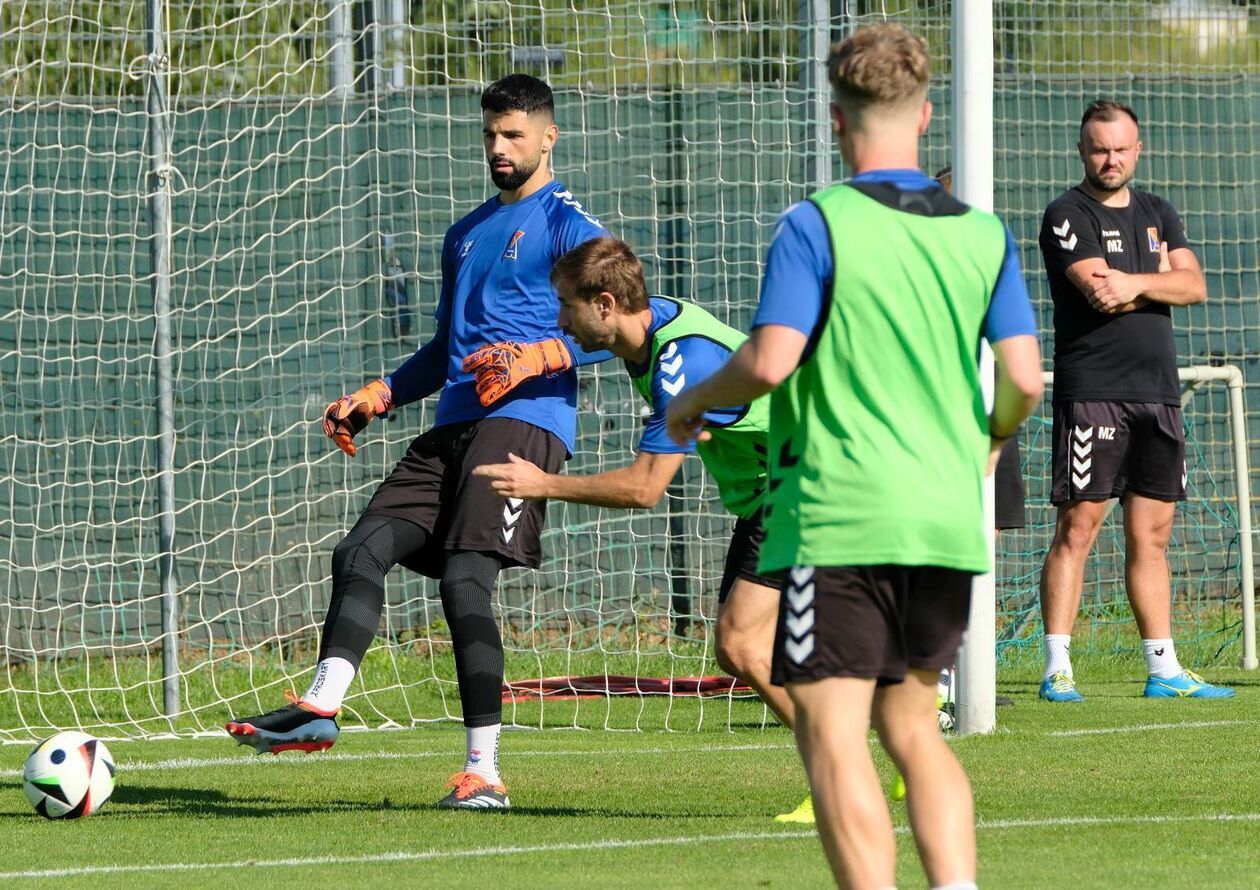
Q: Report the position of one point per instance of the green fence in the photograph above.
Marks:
(279, 306)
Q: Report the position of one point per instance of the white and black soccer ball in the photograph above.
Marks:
(946, 684)
(68, 776)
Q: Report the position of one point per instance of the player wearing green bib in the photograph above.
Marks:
(875, 298)
(668, 344)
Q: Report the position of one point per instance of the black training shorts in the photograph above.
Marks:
(869, 622)
(1106, 449)
(1008, 488)
(742, 556)
(433, 486)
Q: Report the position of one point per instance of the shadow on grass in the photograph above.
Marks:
(138, 803)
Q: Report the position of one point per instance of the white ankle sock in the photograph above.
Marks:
(1057, 659)
(1161, 658)
(333, 677)
(957, 885)
(483, 752)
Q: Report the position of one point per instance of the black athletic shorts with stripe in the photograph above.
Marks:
(433, 486)
(869, 622)
(1104, 450)
(742, 556)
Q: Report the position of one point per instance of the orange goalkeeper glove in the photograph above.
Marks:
(347, 416)
(502, 367)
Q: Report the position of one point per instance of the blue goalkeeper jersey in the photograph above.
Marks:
(496, 286)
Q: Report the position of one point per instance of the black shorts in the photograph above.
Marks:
(433, 486)
(871, 622)
(1008, 487)
(1106, 449)
(742, 556)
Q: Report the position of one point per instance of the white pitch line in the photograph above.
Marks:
(1143, 727)
(585, 846)
(244, 759)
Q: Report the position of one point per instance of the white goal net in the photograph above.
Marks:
(318, 150)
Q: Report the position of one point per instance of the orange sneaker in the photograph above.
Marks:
(470, 791)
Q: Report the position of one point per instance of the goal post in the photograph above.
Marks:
(972, 151)
(1232, 376)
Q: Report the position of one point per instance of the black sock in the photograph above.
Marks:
(359, 563)
(466, 587)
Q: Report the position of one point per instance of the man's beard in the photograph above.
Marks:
(509, 182)
(1097, 182)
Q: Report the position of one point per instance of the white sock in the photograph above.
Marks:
(483, 752)
(1161, 658)
(333, 677)
(957, 885)
(1057, 659)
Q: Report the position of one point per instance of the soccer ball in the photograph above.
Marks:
(945, 699)
(68, 776)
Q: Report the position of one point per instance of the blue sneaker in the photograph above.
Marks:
(1059, 687)
(1187, 684)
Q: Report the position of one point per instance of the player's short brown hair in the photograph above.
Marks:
(881, 64)
(603, 264)
(1107, 110)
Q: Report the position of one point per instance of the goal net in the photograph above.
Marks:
(318, 150)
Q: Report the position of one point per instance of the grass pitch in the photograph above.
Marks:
(1117, 792)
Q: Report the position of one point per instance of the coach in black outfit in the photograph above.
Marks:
(1117, 401)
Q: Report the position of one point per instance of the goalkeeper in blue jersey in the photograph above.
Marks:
(431, 514)
(668, 344)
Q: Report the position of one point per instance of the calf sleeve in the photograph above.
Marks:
(374, 546)
(466, 588)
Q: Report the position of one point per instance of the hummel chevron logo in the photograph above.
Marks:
(1062, 231)
(786, 459)
(673, 387)
(798, 652)
(1185, 474)
(799, 620)
(800, 598)
(799, 625)
(671, 363)
(1083, 461)
(511, 513)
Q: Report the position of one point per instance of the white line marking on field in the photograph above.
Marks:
(583, 846)
(246, 759)
(1143, 727)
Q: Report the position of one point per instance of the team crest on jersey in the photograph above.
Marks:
(1152, 239)
(466, 249)
(510, 253)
